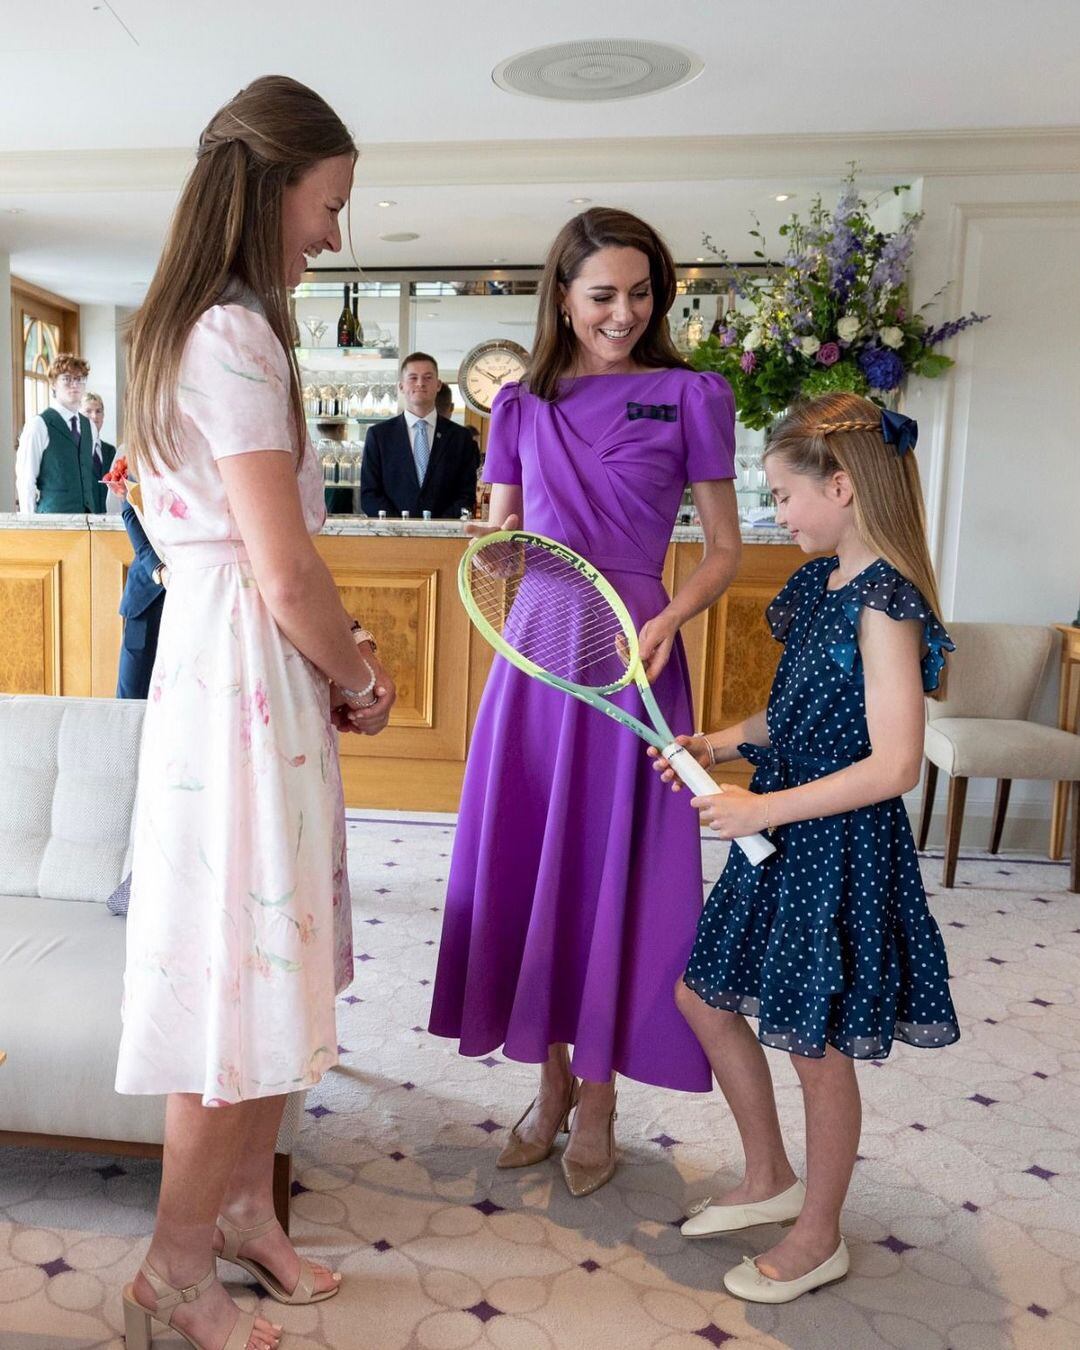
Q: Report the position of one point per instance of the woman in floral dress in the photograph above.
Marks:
(239, 926)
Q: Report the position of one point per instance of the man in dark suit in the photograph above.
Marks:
(418, 461)
(141, 606)
(93, 408)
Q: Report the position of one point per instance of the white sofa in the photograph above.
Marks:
(67, 788)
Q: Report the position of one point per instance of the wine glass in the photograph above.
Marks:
(328, 461)
(316, 327)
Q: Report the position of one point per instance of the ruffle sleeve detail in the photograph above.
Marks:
(881, 587)
(783, 609)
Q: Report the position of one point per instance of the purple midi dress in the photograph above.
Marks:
(575, 885)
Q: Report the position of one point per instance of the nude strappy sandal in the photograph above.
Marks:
(138, 1328)
(305, 1285)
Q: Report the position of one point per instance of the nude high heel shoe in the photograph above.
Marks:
(138, 1321)
(303, 1293)
(520, 1152)
(582, 1180)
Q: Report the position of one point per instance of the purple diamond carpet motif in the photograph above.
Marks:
(343, 1050)
(397, 1156)
(484, 1310)
(970, 1206)
(56, 1267)
(418, 1029)
(1041, 1003)
(1039, 1074)
(664, 1140)
(389, 864)
(990, 1021)
(351, 998)
(109, 1171)
(1039, 900)
(408, 1086)
(364, 956)
(920, 1128)
(298, 1188)
(954, 924)
(382, 1245)
(319, 1111)
(1043, 1173)
(983, 1101)
(714, 1335)
(996, 961)
(490, 1062)
(488, 1207)
(489, 1126)
(425, 983)
(1038, 1310)
(382, 890)
(895, 1244)
(373, 922)
(589, 1265)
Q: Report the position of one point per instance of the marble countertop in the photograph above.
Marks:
(365, 527)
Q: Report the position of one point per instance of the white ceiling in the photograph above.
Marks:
(414, 83)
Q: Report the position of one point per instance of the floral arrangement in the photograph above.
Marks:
(833, 315)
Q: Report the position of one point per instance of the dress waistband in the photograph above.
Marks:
(210, 553)
(641, 567)
(778, 768)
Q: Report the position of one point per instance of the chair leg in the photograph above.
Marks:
(1001, 805)
(1074, 864)
(929, 792)
(954, 823)
(282, 1186)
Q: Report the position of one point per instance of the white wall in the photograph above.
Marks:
(7, 444)
(102, 344)
(1000, 436)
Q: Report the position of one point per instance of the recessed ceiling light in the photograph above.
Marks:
(607, 68)
(15, 210)
(400, 237)
(498, 260)
(388, 202)
(700, 259)
(784, 196)
(579, 201)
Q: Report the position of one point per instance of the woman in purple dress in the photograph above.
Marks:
(575, 885)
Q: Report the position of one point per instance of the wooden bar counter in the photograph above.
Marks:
(61, 578)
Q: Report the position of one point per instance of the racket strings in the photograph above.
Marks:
(551, 613)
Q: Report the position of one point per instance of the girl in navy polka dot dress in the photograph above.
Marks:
(829, 944)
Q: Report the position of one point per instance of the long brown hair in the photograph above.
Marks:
(226, 230)
(555, 346)
(842, 433)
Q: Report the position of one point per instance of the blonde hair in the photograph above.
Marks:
(841, 433)
(226, 230)
(93, 398)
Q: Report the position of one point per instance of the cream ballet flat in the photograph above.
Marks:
(707, 1219)
(746, 1281)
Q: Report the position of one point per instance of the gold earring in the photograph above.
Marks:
(565, 319)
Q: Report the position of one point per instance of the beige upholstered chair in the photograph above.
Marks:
(980, 730)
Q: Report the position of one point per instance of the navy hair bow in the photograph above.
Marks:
(899, 430)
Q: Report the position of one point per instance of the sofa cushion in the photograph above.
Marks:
(67, 789)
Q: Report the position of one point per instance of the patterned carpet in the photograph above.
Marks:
(963, 1219)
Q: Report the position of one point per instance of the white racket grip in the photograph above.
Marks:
(756, 847)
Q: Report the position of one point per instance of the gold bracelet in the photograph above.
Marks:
(768, 799)
(712, 752)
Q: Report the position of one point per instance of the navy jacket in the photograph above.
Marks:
(388, 472)
(140, 589)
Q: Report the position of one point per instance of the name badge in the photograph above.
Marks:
(656, 412)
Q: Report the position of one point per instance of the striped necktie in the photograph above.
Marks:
(421, 450)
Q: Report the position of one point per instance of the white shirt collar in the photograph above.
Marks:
(57, 406)
(411, 419)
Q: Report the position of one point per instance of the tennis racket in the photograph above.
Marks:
(551, 614)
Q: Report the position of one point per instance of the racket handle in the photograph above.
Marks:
(756, 846)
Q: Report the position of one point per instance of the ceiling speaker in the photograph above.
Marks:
(592, 71)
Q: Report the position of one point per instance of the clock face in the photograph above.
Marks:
(486, 369)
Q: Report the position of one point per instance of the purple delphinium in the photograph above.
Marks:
(883, 368)
(727, 337)
(949, 330)
(828, 353)
(748, 362)
(890, 270)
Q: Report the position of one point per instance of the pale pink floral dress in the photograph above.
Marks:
(239, 930)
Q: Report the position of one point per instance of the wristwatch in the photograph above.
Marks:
(360, 634)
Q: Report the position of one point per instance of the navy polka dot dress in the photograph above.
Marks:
(830, 940)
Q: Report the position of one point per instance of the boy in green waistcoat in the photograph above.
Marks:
(54, 465)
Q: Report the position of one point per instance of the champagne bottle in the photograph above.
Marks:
(695, 328)
(680, 331)
(345, 321)
(358, 327)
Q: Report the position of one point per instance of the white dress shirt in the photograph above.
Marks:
(32, 443)
(411, 420)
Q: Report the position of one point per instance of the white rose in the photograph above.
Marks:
(753, 338)
(809, 345)
(892, 337)
(847, 328)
